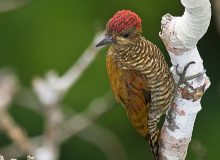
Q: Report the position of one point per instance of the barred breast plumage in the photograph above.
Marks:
(142, 82)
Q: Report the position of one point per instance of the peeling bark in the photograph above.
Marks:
(180, 36)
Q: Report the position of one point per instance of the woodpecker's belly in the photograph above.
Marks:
(130, 89)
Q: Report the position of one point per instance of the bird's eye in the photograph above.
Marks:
(126, 35)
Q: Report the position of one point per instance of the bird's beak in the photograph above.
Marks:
(107, 40)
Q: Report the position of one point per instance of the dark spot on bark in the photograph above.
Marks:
(190, 93)
(171, 115)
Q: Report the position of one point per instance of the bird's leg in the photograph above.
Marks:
(183, 79)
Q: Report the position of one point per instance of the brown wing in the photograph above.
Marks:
(130, 88)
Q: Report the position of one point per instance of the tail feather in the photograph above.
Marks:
(153, 141)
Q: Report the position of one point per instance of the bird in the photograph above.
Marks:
(139, 76)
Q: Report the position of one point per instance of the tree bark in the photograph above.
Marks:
(180, 36)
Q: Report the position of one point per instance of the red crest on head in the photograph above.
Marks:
(124, 20)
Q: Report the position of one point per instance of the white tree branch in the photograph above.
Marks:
(8, 5)
(106, 141)
(52, 89)
(80, 121)
(58, 128)
(29, 157)
(50, 92)
(180, 36)
(72, 125)
(8, 88)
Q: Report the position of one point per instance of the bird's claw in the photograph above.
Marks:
(183, 79)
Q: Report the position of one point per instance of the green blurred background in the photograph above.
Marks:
(52, 34)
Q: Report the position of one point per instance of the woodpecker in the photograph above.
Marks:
(139, 75)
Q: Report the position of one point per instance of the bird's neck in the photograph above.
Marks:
(127, 55)
(118, 48)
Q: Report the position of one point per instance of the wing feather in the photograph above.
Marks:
(130, 88)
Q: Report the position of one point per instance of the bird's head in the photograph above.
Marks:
(122, 29)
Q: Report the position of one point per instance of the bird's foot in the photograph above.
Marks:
(183, 78)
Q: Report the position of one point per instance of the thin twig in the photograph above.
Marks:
(73, 74)
(84, 119)
(50, 92)
(7, 5)
(105, 140)
(66, 128)
(52, 89)
(8, 87)
(29, 157)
